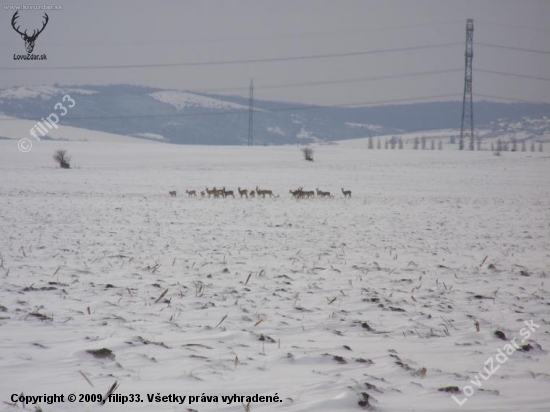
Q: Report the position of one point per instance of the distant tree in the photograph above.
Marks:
(432, 144)
(514, 145)
(378, 144)
(415, 144)
(540, 147)
(308, 153)
(62, 158)
(400, 142)
(499, 145)
(371, 143)
(393, 142)
(523, 146)
(532, 146)
(423, 142)
(385, 143)
(440, 145)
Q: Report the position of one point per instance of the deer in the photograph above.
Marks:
(307, 193)
(298, 194)
(202, 193)
(347, 193)
(243, 192)
(320, 193)
(217, 192)
(226, 193)
(252, 193)
(264, 192)
(191, 193)
(172, 193)
(29, 40)
(214, 192)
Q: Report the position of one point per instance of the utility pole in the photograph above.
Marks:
(467, 124)
(250, 114)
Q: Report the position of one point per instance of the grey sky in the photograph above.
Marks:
(90, 33)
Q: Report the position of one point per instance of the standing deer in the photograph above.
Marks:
(191, 193)
(264, 192)
(320, 193)
(243, 192)
(252, 193)
(29, 40)
(347, 193)
(172, 193)
(226, 193)
(298, 194)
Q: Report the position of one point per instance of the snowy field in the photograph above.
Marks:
(372, 302)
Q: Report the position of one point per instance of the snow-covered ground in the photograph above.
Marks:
(42, 92)
(14, 128)
(317, 301)
(488, 139)
(182, 100)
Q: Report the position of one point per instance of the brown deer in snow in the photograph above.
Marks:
(264, 192)
(242, 192)
(347, 193)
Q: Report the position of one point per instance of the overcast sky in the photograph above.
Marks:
(138, 32)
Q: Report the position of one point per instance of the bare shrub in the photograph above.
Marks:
(308, 153)
(62, 158)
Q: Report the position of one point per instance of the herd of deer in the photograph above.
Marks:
(299, 193)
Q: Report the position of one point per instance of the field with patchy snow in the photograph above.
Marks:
(334, 305)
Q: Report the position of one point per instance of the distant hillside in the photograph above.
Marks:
(193, 118)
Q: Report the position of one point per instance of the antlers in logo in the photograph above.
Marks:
(29, 40)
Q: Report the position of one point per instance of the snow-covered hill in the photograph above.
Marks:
(13, 128)
(182, 100)
(196, 118)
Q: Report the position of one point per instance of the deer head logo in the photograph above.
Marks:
(29, 40)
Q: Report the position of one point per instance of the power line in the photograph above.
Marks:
(491, 96)
(523, 76)
(244, 61)
(287, 85)
(514, 26)
(341, 81)
(522, 49)
(245, 111)
(253, 38)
